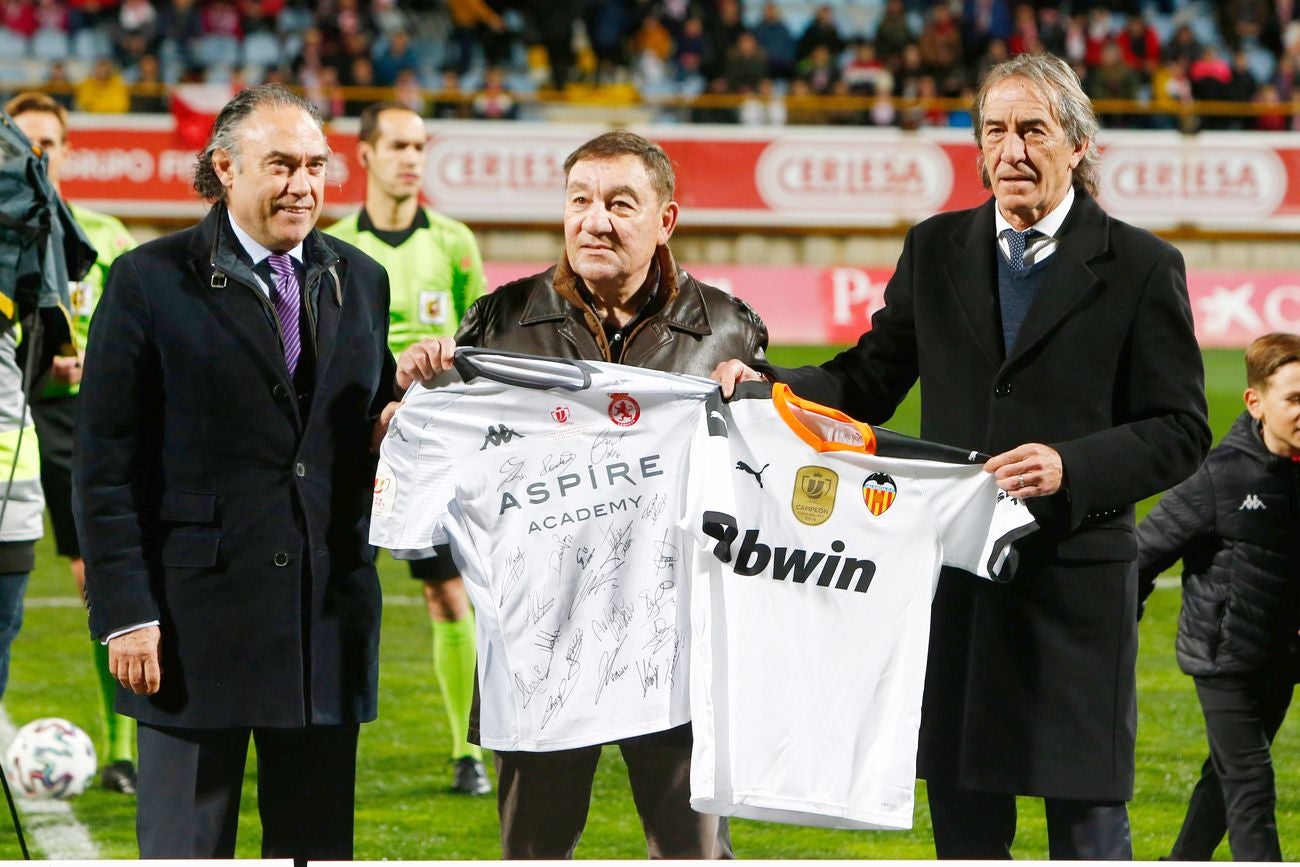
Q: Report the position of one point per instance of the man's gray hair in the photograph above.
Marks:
(1060, 88)
(228, 125)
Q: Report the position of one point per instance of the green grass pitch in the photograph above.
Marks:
(405, 812)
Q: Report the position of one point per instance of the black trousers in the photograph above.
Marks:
(543, 799)
(972, 825)
(1236, 793)
(189, 789)
(54, 417)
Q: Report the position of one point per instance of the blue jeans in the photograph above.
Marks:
(12, 587)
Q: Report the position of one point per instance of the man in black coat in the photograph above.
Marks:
(1068, 353)
(223, 475)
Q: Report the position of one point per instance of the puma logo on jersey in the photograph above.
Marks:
(1252, 503)
(757, 474)
(753, 558)
(499, 435)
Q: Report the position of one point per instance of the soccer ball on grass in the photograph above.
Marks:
(50, 758)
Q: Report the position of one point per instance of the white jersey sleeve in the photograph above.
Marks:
(976, 521)
(415, 480)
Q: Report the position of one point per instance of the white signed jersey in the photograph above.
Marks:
(810, 633)
(560, 486)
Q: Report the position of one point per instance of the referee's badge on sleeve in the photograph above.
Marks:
(433, 307)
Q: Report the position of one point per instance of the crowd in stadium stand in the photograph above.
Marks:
(489, 58)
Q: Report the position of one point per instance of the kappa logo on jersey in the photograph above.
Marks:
(1252, 503)
(757, 474)
(753, 557)
(560, 414)
(623, 409)
(879, 492)
(433, 308)
(813, 499)
(499, 435)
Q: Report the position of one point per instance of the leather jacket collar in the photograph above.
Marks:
(682, 308)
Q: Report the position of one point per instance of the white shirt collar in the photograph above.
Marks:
(1048, 225)
(256, 251)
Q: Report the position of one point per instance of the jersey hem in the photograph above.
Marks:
(793, 812)
(549, 746)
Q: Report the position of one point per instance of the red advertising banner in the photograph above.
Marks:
(797, 177)
(814, 306)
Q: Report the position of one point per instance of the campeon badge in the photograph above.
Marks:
(879, 492)
(623, 409)
(814, 494)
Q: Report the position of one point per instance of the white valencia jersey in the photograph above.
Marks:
(811, 630)
(560, 485)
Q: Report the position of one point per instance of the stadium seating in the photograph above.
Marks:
(50, 45)
(217, 50)
(262, 49)
(90, 44)
(13, 46)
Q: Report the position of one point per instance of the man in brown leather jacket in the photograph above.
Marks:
(616, 295)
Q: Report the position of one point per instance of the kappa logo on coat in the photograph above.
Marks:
(1252, 503)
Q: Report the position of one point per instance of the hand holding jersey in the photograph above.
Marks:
(425, 361)
(1031, 470)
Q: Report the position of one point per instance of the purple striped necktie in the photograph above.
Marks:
(288, 301)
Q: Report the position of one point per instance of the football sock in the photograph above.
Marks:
(453, 667)
(120, 729)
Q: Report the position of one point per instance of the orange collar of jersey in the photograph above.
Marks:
(783, 398)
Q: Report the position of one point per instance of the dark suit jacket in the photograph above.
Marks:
(1031, 684)
(209, 498)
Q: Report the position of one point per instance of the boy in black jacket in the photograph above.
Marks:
(1234, 524)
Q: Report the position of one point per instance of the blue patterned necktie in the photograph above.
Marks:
(1016, 244)
(288, 301)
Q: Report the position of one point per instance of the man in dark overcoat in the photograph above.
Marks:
(224, 476)
(1059, 340)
